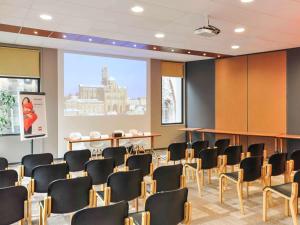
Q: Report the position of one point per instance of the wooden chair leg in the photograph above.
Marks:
(293, 207)
(265, 205)
(136, 204)
(221, 189)
(240, 191)
(209, 176)
(247, 189)
(22, 222)
(286, 207)
(202, 178)
(198, 177)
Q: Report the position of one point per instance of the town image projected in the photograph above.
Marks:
(99, 86)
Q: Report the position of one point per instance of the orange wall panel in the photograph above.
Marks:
(267, 92)
(231, 94)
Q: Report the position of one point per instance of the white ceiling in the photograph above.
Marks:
(270, 24)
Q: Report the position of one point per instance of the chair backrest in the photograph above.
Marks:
(167, 177)
(209, 158)
(252, 168)
(3, 163)
(256, 149)
(99, 170)
(8, 178)
(31, 161)
(198, 146)
(167, 208)
(117, 153)
(69, 195)
(77, 159)
(177, 151)
(278, 162)
(12, 204)
(297, 180)
(141, 162)
(233, 154)
(221, 145)
(125, 185)
(44, 175)
(106, 215)
(295, 156)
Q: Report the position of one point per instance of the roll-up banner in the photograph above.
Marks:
(32, 112)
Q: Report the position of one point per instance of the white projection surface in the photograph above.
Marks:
(102, 93)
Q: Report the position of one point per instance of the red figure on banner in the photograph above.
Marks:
(29, 116)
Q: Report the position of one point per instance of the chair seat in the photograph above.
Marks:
(137, 218)
(193, 165)
(233, 175)
(285, 189)
(101, 194)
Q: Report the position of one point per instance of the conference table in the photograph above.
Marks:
(114, 141)
(281, 137)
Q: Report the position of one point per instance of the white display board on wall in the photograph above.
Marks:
(32, 112)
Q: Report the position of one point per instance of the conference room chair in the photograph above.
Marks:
(293, 163)
(3, 163)
(289, 191)
(167, 208)
(8, 178)
(277, 165)
(257, 150)
(76, 159)
(250, 170)
(142, 162)
(99, 170)
(124, 186)
(198, 146)
(177, 152)
(221, 145)
(231, 157)
(118, 154)
(116, 214)
(167, 178)
(67, 196)
(208, 160)
(14, 205)
(28, 163)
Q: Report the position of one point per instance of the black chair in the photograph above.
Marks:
(250, 170)
(232, 156)
(257, 150)
(198, 146)
(77, 159)
(177, 152)
(289, 191)
(28, 162)
(167, 178)
(277, 165)
(293, 163)
(3, 163)
(116, 214)
(124, 186)
(142, 162)
(42, 176)
(8, 178)
(99, 170)
(14, 205)
(66, 196)
(221, 145)
(208, 160)
(166, 208)
(119, 154)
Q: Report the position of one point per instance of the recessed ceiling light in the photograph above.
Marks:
(189, 52)
(134, 45)
(172, 50)
(204, 54)
(64, 36)
(90, 39)
(159, 35)
(219, 56)
(35, 32)
(45, 17)
(235, 46)
(137, 9)
(239, 30)
(113, 42)
(246, 1)
(154, 48)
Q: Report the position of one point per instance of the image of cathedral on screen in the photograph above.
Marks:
(107, 98)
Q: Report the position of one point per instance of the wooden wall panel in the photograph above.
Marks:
(231, 94)
(267, 92)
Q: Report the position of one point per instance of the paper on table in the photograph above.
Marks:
(147, 133)
(128, 135)
(103, 136)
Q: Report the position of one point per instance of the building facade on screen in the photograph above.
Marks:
(105, 98)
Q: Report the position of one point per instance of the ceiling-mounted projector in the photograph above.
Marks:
(208, 30)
